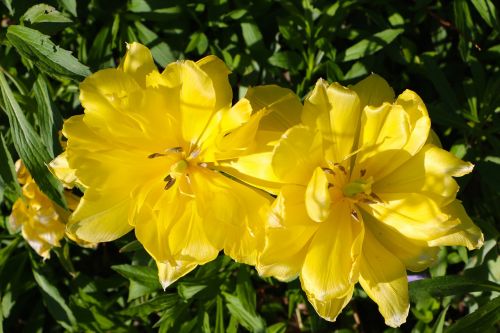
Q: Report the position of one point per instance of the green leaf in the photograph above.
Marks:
(205, 328)
(242, 305)
(480, 320)
(158, 303)
(440, 82)
(448, 285)
(30, 147)
(287, 60)
(277, 328)
(46, 56)
(69, 5)
(54, 301)
(8, 179)
(45, 113)
(144, 275)
(43, 13)
(439, 324)
(198, 41)
(246, 317)
(251, 34)
(6, 251)
(219, 316)
(160, 50)
(371, 45)
(188, 289)
(137, 289)
(8, 4)
(487, 10)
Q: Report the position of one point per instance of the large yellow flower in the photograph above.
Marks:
(42, 222)
(364, 195)
(147, 150)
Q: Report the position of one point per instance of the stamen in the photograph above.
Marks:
(166, 152)
(362, 172)
(170, 182)
(175, 150)
(328, 171)
(154, 155)
(341, 168)
(376, 197)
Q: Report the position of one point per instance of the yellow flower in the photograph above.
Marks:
(364, 195)
(147, 152)
(36, 216)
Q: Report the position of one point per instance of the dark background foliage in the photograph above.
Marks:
(446, 51)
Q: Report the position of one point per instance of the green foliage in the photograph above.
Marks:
(447, 51)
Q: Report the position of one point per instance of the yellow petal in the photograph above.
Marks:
(335, 111)
(391, 134)
(284, 252)
(256, 170)
(171, 271)
(60, 168)
(296, 155)
(101, 216)
(373, 91)
(330, 266)
(282, 106)
(331, 308)
(217, 70)
(288, 234)
(383, 277)
(240, 140)
(234, 216)
(415, 254)
(199, 97)
(429, 172)
(138, 62)
(465, 233)
(344, 119)
(418, 118)
(168, 225)
(414, 215)
(101, 162)
(316, 108)
(107, 96)
(318, 199)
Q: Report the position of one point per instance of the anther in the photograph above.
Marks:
(341, 168)
(170, 182)
(376, 197)
(154, 155)
(328, 171)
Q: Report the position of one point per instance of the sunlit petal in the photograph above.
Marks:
(383, 277)
(331, 264)
(465, 233)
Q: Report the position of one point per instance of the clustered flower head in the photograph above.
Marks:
(349, 186)
(42, 222)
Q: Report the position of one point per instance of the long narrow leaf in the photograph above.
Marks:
(30, 147)
(47, 56)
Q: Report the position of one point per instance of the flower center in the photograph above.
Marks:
(342, 186)
(179, 163)
(178, 168)
(358, 186)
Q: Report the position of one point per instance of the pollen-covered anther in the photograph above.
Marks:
(174, 150)
(341, 168)
(328, 171)
(170, 181)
